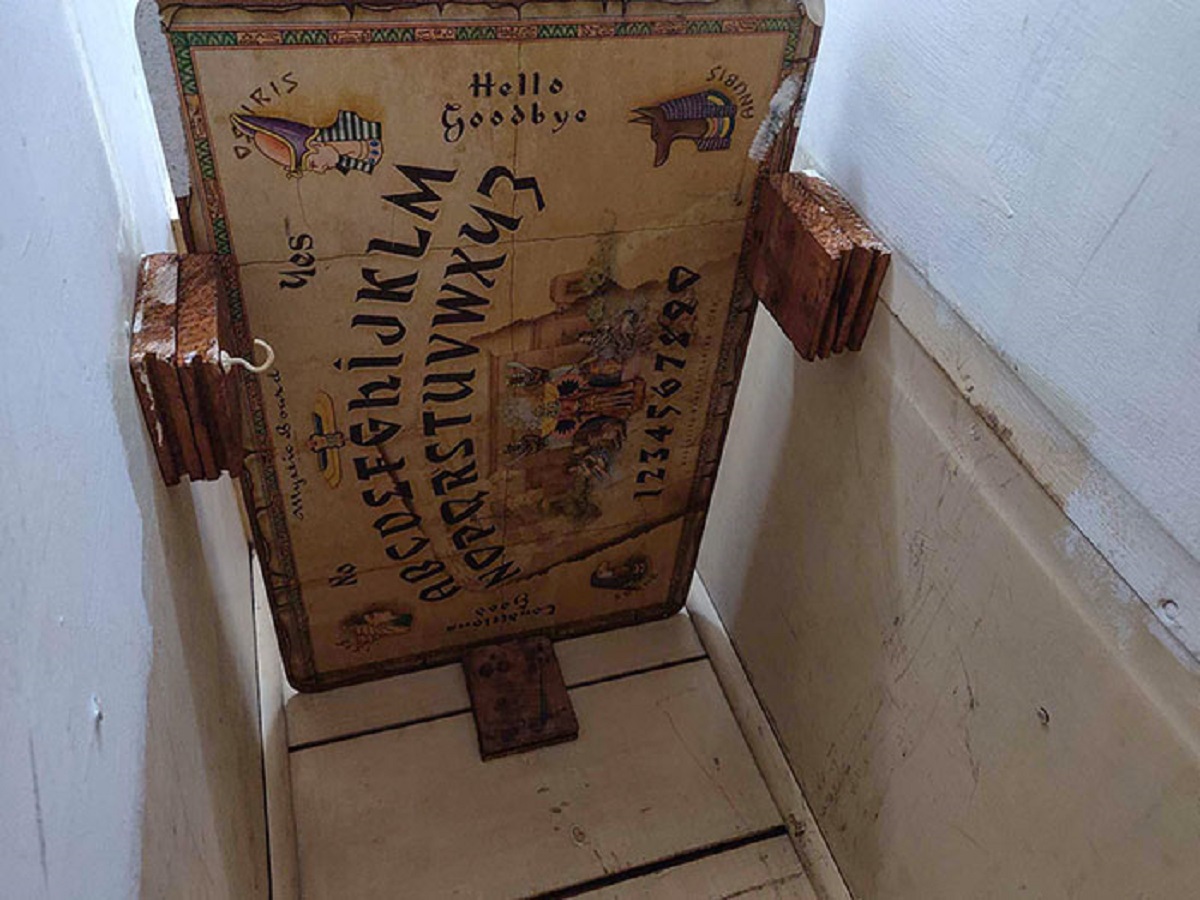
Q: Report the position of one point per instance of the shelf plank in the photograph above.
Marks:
(362, 708)
(660, 769)
(764, 869)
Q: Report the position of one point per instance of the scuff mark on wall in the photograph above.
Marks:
(1083, 120)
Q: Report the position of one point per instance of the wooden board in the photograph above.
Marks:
(762, 870)
(497, 254)
(319, 718)
(660, 769)
(202, 333)
(518, 697)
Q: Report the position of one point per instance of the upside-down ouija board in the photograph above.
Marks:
(496, 251)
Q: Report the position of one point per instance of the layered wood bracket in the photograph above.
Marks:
(815, 264)
(180, 353)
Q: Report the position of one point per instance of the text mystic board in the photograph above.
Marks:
(497, 253)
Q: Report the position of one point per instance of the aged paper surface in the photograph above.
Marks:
(497, 255)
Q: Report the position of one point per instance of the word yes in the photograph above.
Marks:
(304, 263)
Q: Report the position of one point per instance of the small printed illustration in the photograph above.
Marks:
(568, 406)
(349, 143)
(326, 441)
(631, 574)
(362, 630)
(707, 118)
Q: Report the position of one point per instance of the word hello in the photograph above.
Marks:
(534, 102)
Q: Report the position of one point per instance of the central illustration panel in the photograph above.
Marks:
(499, 265)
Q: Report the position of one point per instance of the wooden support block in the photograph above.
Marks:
(188, 399)
(867, 248)
(518, 697)
(815, 264)
(196, 345)
(203, 331)
(152, 363)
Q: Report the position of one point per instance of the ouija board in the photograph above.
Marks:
(497, 254)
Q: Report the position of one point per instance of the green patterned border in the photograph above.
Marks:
(182, 41)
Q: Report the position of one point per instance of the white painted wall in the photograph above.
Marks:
(128, 752)
(1039, 164)
(974, 704)
(980, 695)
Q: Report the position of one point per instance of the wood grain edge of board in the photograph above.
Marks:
(820, 225)
(853, 327)
(787, 267)
(862, 319)
(812, 276)
(151, 346)
(189, 382)
(849, 295)
(204, 331)
(838, 299)
(195, 335)
(161, 332)
(815, 263)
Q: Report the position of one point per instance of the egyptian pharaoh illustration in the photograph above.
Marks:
(349, 143)
(707, 118)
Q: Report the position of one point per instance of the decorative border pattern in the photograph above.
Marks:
(184, 40)
(260, 480)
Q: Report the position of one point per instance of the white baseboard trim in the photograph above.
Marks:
(781, 782)
(281, 826)
(1146, 556)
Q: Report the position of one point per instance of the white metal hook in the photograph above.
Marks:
(228, 362)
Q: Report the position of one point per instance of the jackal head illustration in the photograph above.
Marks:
(706, 118)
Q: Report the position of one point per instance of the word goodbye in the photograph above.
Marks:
(527, 100)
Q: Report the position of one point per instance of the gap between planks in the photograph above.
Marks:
(301, 721)
(660, 773)
(432, 694)
(742, 867)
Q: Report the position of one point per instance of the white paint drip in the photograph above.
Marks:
(778, 114)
